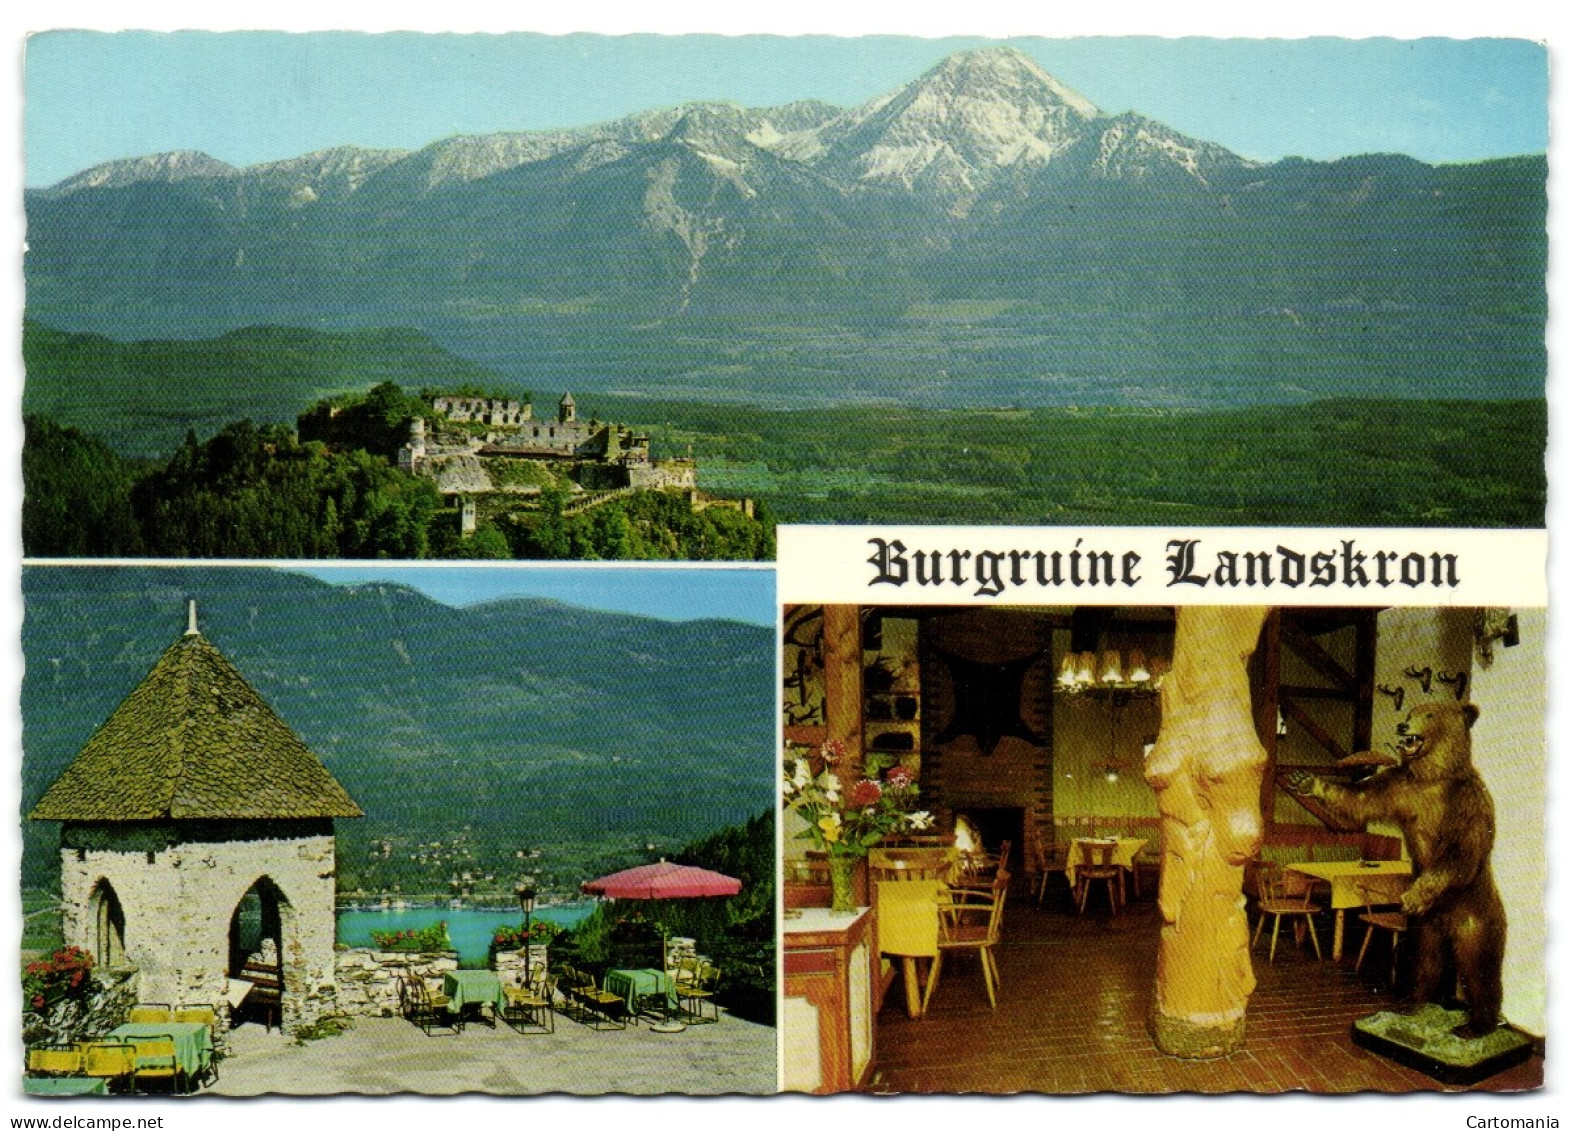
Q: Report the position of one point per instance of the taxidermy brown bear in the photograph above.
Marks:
(1447, 817)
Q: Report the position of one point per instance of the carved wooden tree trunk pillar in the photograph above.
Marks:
(1206, 769)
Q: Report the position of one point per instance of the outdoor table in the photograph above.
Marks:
(1123, 855)
(1346, 878)
(193, 1041)
(630, 985)
(65, 1085)
(474, 987)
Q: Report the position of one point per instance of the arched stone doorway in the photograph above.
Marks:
(107, 919)
(260, 928)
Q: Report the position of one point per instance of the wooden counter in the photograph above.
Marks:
(828, 1023)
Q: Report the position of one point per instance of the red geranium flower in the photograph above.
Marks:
(865, 793)
(899, 777)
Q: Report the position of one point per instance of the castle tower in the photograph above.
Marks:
(197, 831)
(567, 411)
(412, 454)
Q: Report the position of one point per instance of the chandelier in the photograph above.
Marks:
(1109, 671)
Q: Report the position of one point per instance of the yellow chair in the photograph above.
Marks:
(55, 1060)
(109, 1060)
(150, 1011)
(203, 1015)
(530, 1004)
(155, 1060)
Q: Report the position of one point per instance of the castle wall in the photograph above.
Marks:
(178, 896)
(368, 978)
(480, 410)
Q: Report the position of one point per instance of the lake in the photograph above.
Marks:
(470, 929)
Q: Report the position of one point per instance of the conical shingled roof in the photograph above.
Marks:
(194, 741)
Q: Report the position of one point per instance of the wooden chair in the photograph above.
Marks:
(691, 996)
(971, 920)
(1095, 866)
(56, 1060)
(979, 869)
(910, 864)
(1285, 895)
(1377, 915)
(1047, 865)
(150, 1012)
(1147, 862)
(112, 1061)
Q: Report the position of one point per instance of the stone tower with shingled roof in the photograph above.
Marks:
(192, 798)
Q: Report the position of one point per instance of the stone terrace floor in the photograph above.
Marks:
(1071, 1017)
(385, 1055)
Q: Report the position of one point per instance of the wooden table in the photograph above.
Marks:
(1346, 879)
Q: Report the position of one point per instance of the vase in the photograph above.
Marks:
(842, 876)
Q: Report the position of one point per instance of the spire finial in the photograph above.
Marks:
(190, 625)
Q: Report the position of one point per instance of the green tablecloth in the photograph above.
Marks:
(630, 985)
(473, 987)
(65, 1085)
(193, 1041)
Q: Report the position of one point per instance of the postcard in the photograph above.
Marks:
(1146, 435)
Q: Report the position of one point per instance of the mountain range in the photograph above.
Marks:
(982, 235)
(527, 719)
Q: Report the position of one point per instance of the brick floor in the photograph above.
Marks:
(1071, 1018)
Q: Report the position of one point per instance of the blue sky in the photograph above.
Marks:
(666, 593)
(246, 97)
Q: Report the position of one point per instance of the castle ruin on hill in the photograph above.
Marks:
(490, 448)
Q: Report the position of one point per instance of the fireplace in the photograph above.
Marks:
(992, 825)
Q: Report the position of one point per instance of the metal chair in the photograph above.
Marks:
(110, 1060)
(55, 1060)
(156, 1060)
(426, 1009)
(691, 996)
(150, 1012)
(530, 1004)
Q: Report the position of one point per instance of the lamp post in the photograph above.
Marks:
(525, 893)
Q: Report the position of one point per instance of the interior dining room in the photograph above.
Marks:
(1151, 849)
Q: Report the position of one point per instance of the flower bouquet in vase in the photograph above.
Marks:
(846, 814)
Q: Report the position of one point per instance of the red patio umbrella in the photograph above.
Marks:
(663, 881)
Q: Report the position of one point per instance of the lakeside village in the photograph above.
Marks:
(491, 457)
(198, 910)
